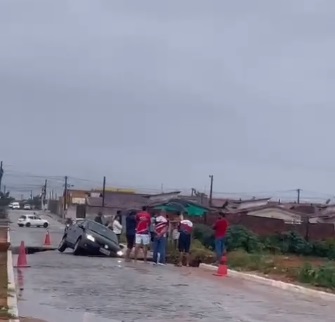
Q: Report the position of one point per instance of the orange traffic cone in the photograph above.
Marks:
(47, 240)
(223, 268)
(22, 259)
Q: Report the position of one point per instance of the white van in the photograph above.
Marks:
(15, 205)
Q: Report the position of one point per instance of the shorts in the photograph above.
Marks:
(184, 243)
(130, 241)
(142, 239)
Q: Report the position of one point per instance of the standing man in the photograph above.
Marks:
(99, 218)
(220, 229)
(142, 237)
(184, 241)
(160, 240)
(130, 232)
(152, 231)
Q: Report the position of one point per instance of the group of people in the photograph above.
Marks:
(143, 230)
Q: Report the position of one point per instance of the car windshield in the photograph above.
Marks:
(23, 217)
(102, 230)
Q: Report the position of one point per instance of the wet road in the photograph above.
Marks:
(34, 237)
(62, 287)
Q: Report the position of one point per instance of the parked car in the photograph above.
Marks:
(15, 205)
(27, 207)
(32, 221)
(87, 236)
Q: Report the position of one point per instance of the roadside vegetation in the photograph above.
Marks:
(4, 314)
(287, 257)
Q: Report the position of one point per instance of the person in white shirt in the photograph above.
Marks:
(117, 226)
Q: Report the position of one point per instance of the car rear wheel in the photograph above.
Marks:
(76, 249)
(28, 224)
(45, 225)
(62, 245)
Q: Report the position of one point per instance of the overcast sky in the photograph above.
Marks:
(152, 92)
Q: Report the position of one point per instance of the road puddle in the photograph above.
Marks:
(38, 307)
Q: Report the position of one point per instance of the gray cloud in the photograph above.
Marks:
(149, 92)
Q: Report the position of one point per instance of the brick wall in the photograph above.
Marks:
(270, 226)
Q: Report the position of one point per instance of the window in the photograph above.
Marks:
(101, 230)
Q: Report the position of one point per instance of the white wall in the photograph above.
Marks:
(278, 214)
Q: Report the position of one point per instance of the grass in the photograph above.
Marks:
(4, 293)
(4, 314)
(198, 254)
(316, 272)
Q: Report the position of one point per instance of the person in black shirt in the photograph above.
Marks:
(131, 224)
(98, 218)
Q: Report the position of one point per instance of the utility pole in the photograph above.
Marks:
(1, 173)
(4, 189)
(44, 193)
(65, 194)
(103, 191)
(211, 190)
(31, 194)
(298, 195)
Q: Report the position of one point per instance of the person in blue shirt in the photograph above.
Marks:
(130, 232)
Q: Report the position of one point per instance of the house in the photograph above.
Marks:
(274, 211)
(123, 201)
(248, 204)
(76, 196)
(113, 202)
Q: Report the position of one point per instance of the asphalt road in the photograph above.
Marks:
(62, 287)
(34, 237)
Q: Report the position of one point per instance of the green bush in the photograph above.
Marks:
(204, 234)
(324, 249)
(293, 243)
(239, 237)
(323, 276)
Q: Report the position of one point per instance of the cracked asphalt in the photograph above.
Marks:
(62, 287)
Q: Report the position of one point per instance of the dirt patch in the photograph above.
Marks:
(3, 287)
(4, 245)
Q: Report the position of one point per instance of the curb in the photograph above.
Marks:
(12, 299)
(274, 283)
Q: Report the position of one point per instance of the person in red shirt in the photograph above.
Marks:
(220, 229)
(142, 237)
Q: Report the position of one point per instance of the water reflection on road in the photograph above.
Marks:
(89, 289)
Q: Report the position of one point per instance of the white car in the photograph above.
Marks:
(27, 207)
(15, 205)
(32, 221)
